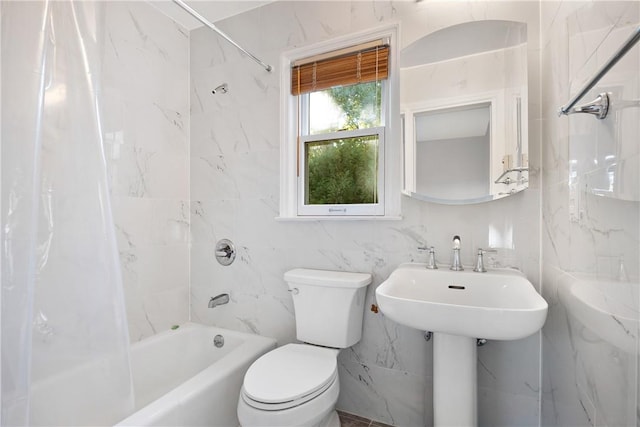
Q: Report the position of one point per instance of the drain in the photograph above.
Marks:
(218, 341)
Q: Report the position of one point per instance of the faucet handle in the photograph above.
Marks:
(431, 261)
(479, 268)
(485, 251)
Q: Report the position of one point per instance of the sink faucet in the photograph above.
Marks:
(456, 265)
(218, 300)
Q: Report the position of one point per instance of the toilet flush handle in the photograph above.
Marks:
(294, 291)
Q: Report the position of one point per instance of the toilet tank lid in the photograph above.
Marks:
(341, 279)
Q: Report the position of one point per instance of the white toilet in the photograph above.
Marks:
(297, 384)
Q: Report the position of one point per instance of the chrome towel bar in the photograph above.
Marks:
(600, 106)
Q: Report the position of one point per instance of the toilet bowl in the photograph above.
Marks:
(298, 384)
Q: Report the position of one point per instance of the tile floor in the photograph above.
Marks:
(350, 420)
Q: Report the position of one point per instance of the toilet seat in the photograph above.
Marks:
(289, 376)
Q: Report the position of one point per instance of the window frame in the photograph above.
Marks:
(342, 209)
(389, 166)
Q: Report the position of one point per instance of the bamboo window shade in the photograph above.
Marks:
(361, 64)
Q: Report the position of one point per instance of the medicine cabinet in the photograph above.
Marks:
(463, 98)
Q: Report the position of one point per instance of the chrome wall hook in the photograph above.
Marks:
(223, 88)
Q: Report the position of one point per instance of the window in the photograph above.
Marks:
(336, 129)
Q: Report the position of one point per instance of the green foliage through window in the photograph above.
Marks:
(360, 103)
(342, 171)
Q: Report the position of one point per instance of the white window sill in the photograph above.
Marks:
(336, 218)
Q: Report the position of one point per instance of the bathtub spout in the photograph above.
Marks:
(218, 300)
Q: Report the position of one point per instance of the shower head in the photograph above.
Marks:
(223, 88)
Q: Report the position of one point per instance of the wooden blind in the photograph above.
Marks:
(359, 66)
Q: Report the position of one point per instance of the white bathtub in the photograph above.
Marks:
(181, 378)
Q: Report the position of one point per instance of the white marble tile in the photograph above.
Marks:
(166, 308)
(557, 211)
(213, 220)
(147, 221)
(140, 326)
(253, 306)
(251, 175)
(162, 267)
(501, 362)
(497, 408)
(169, 222)
(137, 172)
(392, 396)
(131, 216)
(364, 15)
(139, 26)
(145, 77)
(389, 345)
(291, 24)
(227, 133)
(586, 381)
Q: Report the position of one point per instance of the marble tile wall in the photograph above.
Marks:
(591, 217)
(234, 179)
(145, 80)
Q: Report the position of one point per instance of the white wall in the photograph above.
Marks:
(146, 129)
(234, 194)
(586, 379)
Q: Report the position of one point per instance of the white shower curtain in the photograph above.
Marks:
(63, 325)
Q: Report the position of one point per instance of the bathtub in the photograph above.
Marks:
(181, 378)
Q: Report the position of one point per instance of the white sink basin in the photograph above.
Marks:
(500, 304)
(606, 307)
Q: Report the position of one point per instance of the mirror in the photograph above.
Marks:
(463, 98)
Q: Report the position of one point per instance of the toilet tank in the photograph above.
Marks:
(329, 305)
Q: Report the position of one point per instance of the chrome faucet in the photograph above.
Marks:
(456, 265)
(218, 300)
(480, 260)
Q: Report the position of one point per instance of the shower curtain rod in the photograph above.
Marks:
(202, 19)
(601, 104)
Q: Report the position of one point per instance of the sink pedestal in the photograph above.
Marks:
(455, 401)
(458, 306)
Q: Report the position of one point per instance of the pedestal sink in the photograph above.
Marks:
(608, 308)
(459, 307)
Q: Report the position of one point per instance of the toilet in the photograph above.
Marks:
(297, 384)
